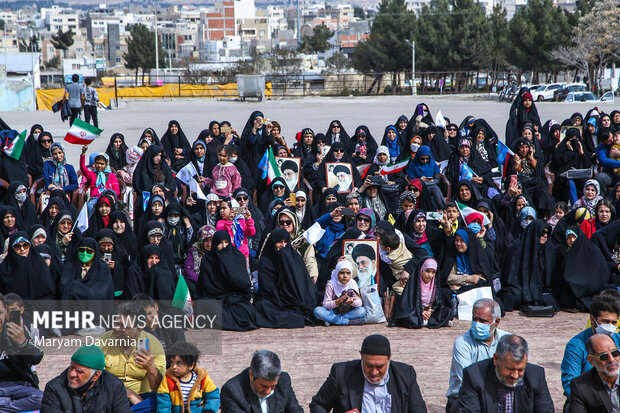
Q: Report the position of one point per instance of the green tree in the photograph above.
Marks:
(53, 63)
(387, 49)
(319, 42)
(338, 62)
(2, 24)
(141, 50)
(359, 13)
(498, 26)
(31, 45)
(432, 35)
(469, 45)
(532, 37)
(63, 40)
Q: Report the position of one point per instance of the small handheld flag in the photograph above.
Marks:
(466, 172)
(14, 149)
(82, 133)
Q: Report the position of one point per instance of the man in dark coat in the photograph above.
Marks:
(263, 383)
(591, 392)
(85, 386)
(507, 382)
(373, 384)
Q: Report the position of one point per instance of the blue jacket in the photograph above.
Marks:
(575, 360)
(48, 176)
(602, 155)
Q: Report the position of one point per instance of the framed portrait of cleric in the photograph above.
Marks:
(339, 176)
(564, 128)
(290, 168)
(365, 254)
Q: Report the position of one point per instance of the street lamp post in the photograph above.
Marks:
(414, 87)
(156, 54)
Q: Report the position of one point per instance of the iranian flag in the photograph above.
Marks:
(182, 298)
(470, 215)
(392, 168)
(268, 165)
(82, 133)
(14, 149)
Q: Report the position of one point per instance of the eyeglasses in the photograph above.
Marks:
(363, 219)
(615, 353)
(451, 130)
(415, 189)
(338, 150)
(21, 246)
(286, 222)
(242, 198)
(46, 141)
(335, 127)
(86, 250)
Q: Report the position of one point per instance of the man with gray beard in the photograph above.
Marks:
(596, 390)
(506, 383)
(85, 386)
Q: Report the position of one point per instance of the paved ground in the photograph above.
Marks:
(293, 114)
(307, 354)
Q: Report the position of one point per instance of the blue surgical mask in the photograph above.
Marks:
(475, 227)
(480, 331)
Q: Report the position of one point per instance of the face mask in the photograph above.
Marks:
(21, 197)
(85, 257)
(36, 136)
(475, 227)
(608, 329)
(173, 221)
(525, 223)
(480, 331)
(414, 147)
(233, 159)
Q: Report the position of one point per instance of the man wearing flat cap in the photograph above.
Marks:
(85, 386)
(374, 384)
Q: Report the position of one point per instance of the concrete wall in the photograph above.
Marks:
(15, 94)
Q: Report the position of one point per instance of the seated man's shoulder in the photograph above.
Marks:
(586, 377)
(579, 339)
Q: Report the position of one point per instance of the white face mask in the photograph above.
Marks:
(608, 329)
(233, 159)
(36, 136)
(415, 147)
(21, 197)
(173, 220)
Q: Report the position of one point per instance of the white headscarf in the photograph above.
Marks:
(338, 287)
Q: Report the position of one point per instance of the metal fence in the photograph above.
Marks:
(325, 84)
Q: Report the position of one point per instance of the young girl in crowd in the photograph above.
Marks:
(100, 179)
(225, 177)
(342, 303)
(238, 226)
(561, 209)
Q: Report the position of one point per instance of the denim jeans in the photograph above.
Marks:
(334, 317)
(19, 397)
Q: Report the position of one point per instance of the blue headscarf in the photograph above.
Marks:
(204, 145)
(417, 169)
(462, 259)
(102, 177)
(393, 146)
(593, 122)
(527, 211)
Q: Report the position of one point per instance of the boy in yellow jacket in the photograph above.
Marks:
(186, 387)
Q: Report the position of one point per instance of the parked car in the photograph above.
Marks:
(545, 92)
(534, 88)
(588, 97)
(560, 94)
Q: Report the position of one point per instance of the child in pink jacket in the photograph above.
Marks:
(225, 178)
(239, 228)
(100, 179)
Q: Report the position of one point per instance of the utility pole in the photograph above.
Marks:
(298, 26)
(156, 54)
(414, 87)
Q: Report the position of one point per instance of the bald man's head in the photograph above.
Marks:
(604, 355)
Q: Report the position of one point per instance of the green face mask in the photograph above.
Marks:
(85, 256)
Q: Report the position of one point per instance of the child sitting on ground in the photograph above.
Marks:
(399, 256)
(186, 387)
(342, 303)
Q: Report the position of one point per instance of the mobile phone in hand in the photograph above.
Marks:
(15, 317)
